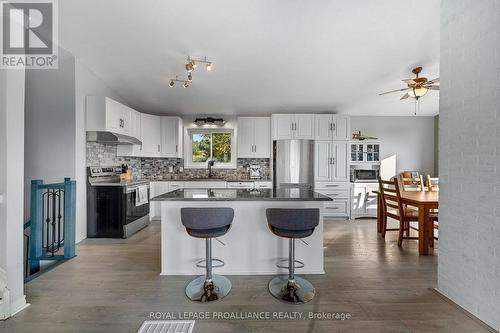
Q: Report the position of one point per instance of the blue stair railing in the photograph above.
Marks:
(52, 224)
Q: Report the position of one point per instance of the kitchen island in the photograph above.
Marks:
(250, 246)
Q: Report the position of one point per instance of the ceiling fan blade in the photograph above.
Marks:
(393, 91)
(409, 81)
(436, 80)
(405, 96)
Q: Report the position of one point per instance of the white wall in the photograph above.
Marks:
(11, 183)
(469, 161)
(411, 139)
(50, 125)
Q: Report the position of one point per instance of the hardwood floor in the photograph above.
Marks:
(113, 285)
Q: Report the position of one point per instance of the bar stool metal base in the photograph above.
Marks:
(297, 291)
(203, 290)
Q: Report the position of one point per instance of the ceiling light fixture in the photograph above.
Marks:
(192, 63)
(209, 121)
(190, 77)
(185, 83)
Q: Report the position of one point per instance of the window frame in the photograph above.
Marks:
(188, 158)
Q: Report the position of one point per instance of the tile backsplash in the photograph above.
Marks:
(99, 154)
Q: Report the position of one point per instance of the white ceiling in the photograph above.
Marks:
(269, 56)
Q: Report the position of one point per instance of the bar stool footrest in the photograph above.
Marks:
(300, 264)
(202, 263)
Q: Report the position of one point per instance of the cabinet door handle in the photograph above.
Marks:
(158, 148)
(255, 149)
(333, 160)
(333, 126)
(122, 123)
(176, 148)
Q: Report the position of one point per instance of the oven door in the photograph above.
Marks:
(134, 212)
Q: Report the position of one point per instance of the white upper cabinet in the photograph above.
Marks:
(304, 126)
(331, 164)
(342, 128)
(332, 127)
(282, 126)
(254, 137)
(150, 135)
(171, 137)
(105, 114)
(293, 126)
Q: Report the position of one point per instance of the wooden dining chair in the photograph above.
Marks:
(412, 183)
(393, 207)
(432, 183)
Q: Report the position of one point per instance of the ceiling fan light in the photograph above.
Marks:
(418, 92)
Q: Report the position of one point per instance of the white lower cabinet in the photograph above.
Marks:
(339, 193)
(156, 189)
(363, 200)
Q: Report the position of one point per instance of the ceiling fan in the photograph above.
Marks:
(417, 87)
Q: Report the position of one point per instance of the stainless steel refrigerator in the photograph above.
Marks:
(293, 162)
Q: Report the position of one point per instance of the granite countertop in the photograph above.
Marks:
(123, 183)
(221, 194)
(183, 179)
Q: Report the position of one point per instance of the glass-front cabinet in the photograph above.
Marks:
(365, 152)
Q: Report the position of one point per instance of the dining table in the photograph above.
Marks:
(425, 202)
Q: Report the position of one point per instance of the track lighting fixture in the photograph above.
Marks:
(190, 77)
(185, 82)
(192, 64)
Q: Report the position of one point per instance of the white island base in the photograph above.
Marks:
(250, 246)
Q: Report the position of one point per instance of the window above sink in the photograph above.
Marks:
(207, 144)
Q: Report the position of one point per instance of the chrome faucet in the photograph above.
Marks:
(210, 165)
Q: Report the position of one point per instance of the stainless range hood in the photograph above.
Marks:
(112, 138)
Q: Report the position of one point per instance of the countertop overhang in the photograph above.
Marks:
(222, 194)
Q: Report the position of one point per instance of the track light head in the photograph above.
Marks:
(171, 84)
(189, 67)
(190, 77)
(193, 63)
(185, 85)
(209, 66)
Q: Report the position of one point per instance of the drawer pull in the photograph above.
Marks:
(332, 208)
(332, 194)
(331, 185)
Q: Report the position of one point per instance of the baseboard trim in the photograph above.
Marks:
(465, 311)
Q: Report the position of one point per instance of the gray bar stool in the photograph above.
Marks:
(292, 224)
(207, 223)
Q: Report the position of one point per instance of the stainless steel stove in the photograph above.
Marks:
(115, 209)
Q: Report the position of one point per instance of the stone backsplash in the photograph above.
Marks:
(99, 154)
